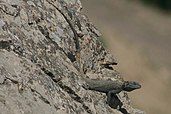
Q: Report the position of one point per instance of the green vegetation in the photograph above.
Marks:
(163, 4)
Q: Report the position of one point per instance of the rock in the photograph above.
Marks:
(47, 47)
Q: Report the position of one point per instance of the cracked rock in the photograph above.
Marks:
(46, 48)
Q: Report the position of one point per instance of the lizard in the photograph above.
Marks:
(111, 88)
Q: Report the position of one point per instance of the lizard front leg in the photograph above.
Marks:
(112, 99)
(114, 102)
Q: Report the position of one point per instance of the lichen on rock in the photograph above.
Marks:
(46, 48)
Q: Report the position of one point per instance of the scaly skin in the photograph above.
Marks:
(106, 86)
(111, 88)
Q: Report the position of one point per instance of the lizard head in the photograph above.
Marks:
(131, 85)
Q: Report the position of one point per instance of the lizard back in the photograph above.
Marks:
(103, 85)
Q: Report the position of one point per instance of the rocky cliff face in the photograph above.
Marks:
(47, 47)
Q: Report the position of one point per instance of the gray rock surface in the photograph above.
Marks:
(46, 48)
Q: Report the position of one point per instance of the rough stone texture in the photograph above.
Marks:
(46, 48)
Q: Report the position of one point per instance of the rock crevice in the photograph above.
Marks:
(46, 48)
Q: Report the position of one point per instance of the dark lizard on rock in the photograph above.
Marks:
(111, 88)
